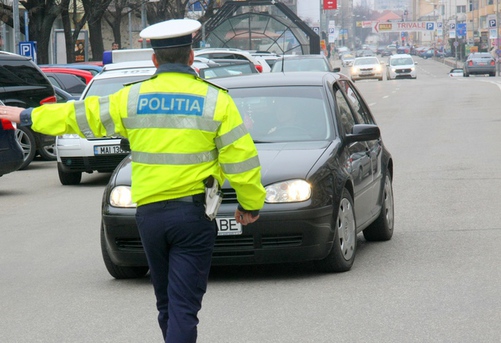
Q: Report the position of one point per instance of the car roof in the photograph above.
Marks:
(4, 55)
(124, 69)
(303, 78)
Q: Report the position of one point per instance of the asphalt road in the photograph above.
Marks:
(437, 280)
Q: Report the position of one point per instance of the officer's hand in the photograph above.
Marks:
(245, 218)
(11, 113)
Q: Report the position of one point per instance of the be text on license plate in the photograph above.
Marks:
(108, 150)
(228, 227)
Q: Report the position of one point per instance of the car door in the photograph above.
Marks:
(366, 156)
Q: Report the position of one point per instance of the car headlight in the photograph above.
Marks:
(354, 70)
(288, 191)
(378, 68)
(121, 196)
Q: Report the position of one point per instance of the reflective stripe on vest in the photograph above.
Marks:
(177, 159)
(240, 167)
(231, 136)
(82, 122)
(205, 122)
(104, 113)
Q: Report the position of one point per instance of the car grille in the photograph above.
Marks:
(100, 163)
(227, 246)
(401, 71)
(229, 196)
(369, 70)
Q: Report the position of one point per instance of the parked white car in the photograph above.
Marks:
(76, 155)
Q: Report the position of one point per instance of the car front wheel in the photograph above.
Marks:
(342, 254)
(119, 272)
(68, 178)
(48, 152)
(26, 139)
(382, 228)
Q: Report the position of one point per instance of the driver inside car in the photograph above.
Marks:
(285, 117)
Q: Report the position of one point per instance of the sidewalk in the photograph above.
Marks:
(451, 62)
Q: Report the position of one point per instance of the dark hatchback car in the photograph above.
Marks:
(11, 154)
(479, 63)
(327, 174)
(23, 84)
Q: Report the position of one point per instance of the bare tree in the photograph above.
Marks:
(114, 15)
(95, 10)
(41, 15)
(71, 35)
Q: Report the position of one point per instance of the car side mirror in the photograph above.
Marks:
(336, 70)
(125, 145)
(363, 132)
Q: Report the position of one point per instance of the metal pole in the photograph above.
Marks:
(130, 28)
(15, 18)
(497, 36)
(143, 21)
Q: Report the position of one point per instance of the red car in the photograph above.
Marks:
(83, 75)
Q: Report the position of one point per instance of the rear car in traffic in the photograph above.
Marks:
(479, 63)
(327, 174)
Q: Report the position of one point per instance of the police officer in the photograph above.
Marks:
(182, 130)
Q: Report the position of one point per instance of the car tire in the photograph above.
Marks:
(380, 79)
(466, 74)
(48, 152)
(382, 228)
(492, 74)
(119, 272)
(343, 251)
(68, 178)
(26, 139)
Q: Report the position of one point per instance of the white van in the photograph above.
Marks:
(401, 66)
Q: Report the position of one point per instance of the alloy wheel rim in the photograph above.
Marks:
(346, 229)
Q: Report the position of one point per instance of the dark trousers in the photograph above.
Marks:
(178, 241)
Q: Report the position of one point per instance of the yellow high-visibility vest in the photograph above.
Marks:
(181, 130)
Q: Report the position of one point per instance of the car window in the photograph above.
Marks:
(103, 87)
(54, 81)
(19, 73)
(284, 113)
(361, 112)
(343, 111)
(401, 61)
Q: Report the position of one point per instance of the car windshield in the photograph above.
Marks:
(485, 55)
(365, 61)
(401, 61)
(103, 87)
(284, 114)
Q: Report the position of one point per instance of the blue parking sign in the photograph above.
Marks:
(28, 49)
(430, 26)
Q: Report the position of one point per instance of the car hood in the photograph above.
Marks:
(279, 161)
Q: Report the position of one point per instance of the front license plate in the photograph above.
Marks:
(108, 150)
(228, 227)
